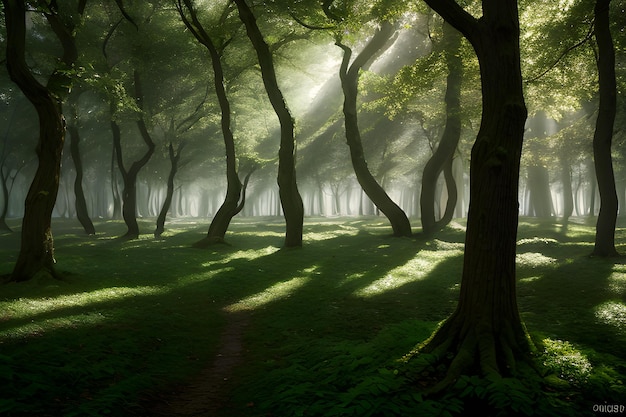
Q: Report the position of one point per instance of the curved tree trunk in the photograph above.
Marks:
(607, 217)
(444, 154)
(290, 198)
(349, 75)
(229, 208)
(174, 159)
(129, 194)
(81, 205)
(486, 332)
(37, 245)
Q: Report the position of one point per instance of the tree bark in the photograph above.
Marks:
(444, 154)
(290, 198)
(349, 75)
(540, 198)
(5, 201)
(603, 136)
(129, 194)
(174, 159)
(485, 332)
(81, 205)
(566, 180)
(230, 206)
(37, 245)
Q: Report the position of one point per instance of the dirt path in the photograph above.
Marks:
(208, 392)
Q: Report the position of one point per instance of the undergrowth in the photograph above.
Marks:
(329, 324)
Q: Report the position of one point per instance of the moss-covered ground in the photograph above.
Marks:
(326, 325)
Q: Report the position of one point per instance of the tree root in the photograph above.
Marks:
(470, 349)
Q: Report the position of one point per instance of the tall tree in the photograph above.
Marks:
(231, 205)
(37, 244)
(607, 217)
(129, 176)
(81, 204)
(290, 198)
(442, 158)
(349, 75)
(485, 331)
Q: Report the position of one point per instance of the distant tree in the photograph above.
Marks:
(485, 331)
(37, 244)
(129, 175)
(607, 217)
(290, 198)
(174, 155)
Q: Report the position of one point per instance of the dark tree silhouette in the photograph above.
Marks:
(230, 206)
(36, 254)
(81, 205)
(444, 154)
(603, 136)
(485, 332)
(290, 198)
(349, 75)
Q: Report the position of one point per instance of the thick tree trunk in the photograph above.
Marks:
(485, 333)
(349, 75)
(444, 154)
(174, 159)
(607, 217)
(37, 246)
(290, 198)
(81, 205)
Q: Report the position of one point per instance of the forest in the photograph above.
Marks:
(313, 208)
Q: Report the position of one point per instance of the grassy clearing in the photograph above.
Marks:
(327, 323)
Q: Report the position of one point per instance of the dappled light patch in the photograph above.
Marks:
(534, 260)
(414, 270)
(41, 327)
(541, 241)
(565, 360)
(528, 280)
(26, 307)
(612, 313)
(617, 280)
(274, 293)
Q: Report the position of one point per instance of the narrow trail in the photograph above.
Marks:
(207, 392)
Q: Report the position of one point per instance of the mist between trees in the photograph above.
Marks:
(401, 108)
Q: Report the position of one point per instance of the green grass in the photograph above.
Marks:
(327, 324)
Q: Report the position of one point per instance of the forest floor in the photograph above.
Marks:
(152, 327)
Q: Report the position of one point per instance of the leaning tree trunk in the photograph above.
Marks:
(290, 198)
(229, 208)
(81, 205)
(444, 154)
(349, 75)
(607, 217)
(174, 159)
(485, 332)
